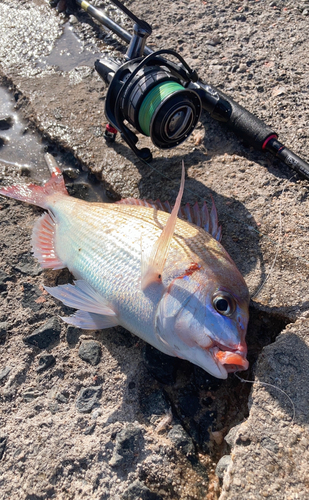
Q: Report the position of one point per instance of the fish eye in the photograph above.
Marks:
(224, 303)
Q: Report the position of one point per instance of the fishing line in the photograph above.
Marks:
(274, 387)
(270, 453)
(151, 102)
(277, 249)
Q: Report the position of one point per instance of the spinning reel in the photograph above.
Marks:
(150, 94)
(163, 99)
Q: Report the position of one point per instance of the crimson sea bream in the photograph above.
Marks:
(165, 279)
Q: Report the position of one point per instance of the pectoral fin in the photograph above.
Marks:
(153, 265)
(93, 313)
(43, 243)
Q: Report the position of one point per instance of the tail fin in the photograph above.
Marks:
(36, 195)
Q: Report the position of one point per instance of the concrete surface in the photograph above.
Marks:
(257, 52)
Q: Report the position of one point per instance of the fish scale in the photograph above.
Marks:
(113, 251)
(111, 254)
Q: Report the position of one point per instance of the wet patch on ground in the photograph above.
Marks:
(22, 151)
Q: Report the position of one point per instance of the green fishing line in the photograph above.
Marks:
(152, 101)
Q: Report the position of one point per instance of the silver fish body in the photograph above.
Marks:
(197, 309)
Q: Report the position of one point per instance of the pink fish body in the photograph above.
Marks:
(164, 279)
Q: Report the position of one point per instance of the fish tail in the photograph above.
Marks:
(34, 194)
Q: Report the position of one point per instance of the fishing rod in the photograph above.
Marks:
(163, 99)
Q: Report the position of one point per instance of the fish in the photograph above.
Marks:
(141, 265)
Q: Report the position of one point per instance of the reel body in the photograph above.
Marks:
(150, 94)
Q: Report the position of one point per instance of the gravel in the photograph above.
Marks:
(45, 335)
(3, 331)
(90, 352)
(222, 465)
(4, 373)
(46, 361)
(138, 490)
(128, 446)
(3, 441)
(88, 399)
(182, 440)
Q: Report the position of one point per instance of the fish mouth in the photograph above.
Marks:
(232, 360)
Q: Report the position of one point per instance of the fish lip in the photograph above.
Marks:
(232, 360)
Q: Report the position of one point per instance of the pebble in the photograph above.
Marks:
(4, 278)
(6, 122)
(27, 265)
(217, 436)
(88, 399)
(89, 430)
(96, 413)
(73, 334)
(3, 331)
(181, 440)
(213, 41)
(90, 351)
(44, 336)
(70, 172)
(4, 373)
(62, 397)
(129, 442)
(154, 404)
(32, 297)
(138, 490)
(53, 407)
(79, 190)
(222, 465)
(31, 394)
(242, 68)
(73, 19)
(3, 440)
(45, 361)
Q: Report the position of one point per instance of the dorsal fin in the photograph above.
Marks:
(197, 215)
(152, 266)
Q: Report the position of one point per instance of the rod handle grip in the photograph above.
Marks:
(245, 124)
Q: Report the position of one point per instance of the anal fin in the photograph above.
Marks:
(43, 243)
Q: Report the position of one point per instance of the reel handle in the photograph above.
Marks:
(142, 24)
(103, 19)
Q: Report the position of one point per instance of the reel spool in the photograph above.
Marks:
(153, 99)
(158, 106)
